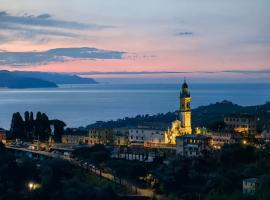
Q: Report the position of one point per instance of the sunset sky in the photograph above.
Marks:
(134, 35)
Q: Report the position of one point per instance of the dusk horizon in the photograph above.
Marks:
(134, 100)
(106, 36)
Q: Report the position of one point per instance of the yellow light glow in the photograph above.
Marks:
(33, 186)
(30, 185)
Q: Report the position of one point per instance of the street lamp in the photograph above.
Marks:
(33, 186)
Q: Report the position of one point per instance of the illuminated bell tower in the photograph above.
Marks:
(185, 110)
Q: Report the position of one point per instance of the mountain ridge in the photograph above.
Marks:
(202, 116)
(31, 79)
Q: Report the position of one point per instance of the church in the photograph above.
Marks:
(181, 126)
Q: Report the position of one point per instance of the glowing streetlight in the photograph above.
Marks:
(33, 186)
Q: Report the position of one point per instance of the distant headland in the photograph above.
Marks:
(26, 79)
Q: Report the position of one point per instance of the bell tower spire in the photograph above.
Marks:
(182, 126)
(185, 110)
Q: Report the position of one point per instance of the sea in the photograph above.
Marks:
(80, 105)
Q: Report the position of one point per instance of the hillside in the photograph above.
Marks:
(23, 79)
(201, 116)
(56, 78)
(9, 80)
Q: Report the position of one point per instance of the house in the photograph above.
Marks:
(218, 139)
(74, 136)
(99, 136)
(191, 145)
(3, 136)
(249, 186)
(241, 123)
(120, 136)
(146, 136)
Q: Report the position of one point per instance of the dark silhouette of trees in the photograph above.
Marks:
(42, 127)
(17, 126)
(58, 129)
(58, 180)
(38, 129)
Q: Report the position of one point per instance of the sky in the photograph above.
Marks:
(132, 36)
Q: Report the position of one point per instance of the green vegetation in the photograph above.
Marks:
(56, 179)
(123, 169)
(218, 176)
(215, 176)
(97, 154)
(39, 128)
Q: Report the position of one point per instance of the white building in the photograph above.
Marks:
(146, 136)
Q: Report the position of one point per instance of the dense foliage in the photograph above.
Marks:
(214, 176)
(58, 179)
(39, 128)
(218, 176)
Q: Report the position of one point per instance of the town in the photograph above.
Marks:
(147, 158)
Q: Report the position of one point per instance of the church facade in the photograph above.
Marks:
(181, 126)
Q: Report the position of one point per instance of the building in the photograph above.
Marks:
(120, 136)
(74, 136)
(182, 126)
(73, 139)
(249, 186)
(241, 123)
(218, 139)
(146, 136)
(3, 136)
(99, 136)
(191, 145)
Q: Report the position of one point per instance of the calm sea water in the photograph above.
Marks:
(80, 105)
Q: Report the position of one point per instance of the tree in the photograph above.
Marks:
(42, 127)
(17, 128)
(27, 125)
(58, 129)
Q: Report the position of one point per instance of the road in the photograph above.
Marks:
(140, 191)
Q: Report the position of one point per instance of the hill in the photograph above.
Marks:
(9, 80)
(57, 78)
(202, 116)
(24, 79)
